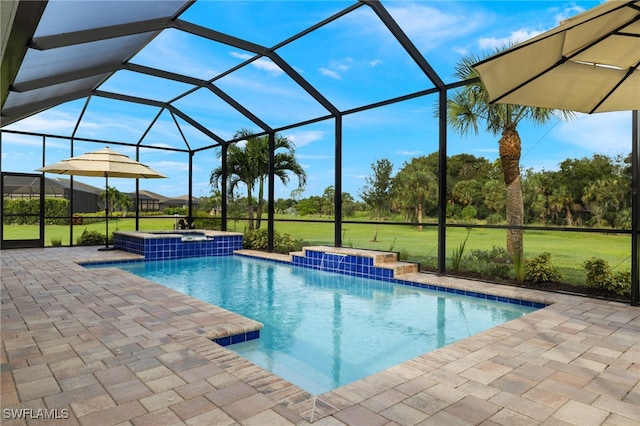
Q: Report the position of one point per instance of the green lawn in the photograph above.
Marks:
(569, 250)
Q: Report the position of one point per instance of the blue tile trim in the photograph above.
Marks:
(237, 338)
(174, 248)
(104, 263)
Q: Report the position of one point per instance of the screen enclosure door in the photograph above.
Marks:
(22, 224)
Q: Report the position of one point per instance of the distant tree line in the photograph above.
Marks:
(591, 192)
(594, 192)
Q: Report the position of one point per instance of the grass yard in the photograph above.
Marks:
(568, 250)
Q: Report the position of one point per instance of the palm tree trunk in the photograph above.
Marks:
(569, 216)
(250, 207)
(510, 149)
(419, 214)
(260, 203)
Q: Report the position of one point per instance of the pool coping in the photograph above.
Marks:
(567, 362)
(417, 280)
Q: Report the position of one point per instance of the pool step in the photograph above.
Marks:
(330, 258)
(401, 268)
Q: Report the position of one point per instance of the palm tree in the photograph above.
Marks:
(469, 108)
(239, 170)
(284, 162)
(248, 163)
(113, 196)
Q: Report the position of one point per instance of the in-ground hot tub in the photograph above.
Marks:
(156, 245)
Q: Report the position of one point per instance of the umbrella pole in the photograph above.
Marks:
(106, 213)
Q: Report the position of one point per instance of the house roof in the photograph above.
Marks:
(16, 184)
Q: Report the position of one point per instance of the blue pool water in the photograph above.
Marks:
(324, 330)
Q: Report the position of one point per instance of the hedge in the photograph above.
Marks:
(26, 211)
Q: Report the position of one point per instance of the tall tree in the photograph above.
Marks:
(376, 192)
(328, 200)
(469, 109)
(577, 174)
(415, 189)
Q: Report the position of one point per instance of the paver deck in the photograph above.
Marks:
(104, 347)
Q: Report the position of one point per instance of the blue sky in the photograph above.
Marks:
(352, 62)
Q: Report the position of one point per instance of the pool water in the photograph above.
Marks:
(324, 330)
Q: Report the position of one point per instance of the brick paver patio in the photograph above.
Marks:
(103, 347)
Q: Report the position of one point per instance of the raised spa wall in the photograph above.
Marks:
(160, 245)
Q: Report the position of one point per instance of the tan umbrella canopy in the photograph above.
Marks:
(588, 64)
(104, 162)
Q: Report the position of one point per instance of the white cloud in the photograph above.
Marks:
(51, 121)
(337, 68)
(409, 153)
(330, 73)
(462, 51)
(303, 138)
(518, 36)
(169, 166)
(180, 52)
(430, 27)
(263, 64)
(342, 65)
(31, 141)
(566, 13)
(523, 34)
(607, 133)
(374, 63)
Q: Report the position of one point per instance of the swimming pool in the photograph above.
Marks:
(324, 330)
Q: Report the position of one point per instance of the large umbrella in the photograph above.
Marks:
(104, 162)
(589, 64)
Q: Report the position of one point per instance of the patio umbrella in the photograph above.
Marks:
(104, 162)
(589, 63)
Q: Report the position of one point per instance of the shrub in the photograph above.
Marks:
(495, 218)
(77, 219)
(21, 211)
(56, 242)
(90, 238)
(207, 222)
(170, 211)
(27, 211)
(539, 269)
(56, 210)
(600, 276)
(87, 218)
(468, 214)
(494, 263)
(258, 240)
